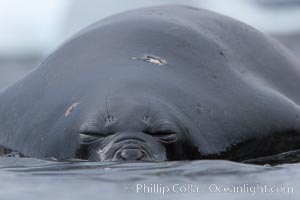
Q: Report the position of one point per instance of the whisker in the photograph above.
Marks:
(101, 114)
(106, 104)
(148, 109)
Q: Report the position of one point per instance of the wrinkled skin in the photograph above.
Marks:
(142, 130)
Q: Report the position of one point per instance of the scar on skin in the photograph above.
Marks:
(152, 59)
(71, 109)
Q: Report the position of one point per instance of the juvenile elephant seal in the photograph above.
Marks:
(156, 84)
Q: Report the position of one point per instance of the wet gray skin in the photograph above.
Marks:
(156, 84)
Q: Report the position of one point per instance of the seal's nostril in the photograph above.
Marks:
(131, 154)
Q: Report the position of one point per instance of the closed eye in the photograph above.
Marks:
(90, 137)
(165, 136)
(164, 131)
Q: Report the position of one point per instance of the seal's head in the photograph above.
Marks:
(132, 129)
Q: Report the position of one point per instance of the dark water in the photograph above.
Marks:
(25, 178)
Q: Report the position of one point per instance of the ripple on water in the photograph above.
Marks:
(29, 178)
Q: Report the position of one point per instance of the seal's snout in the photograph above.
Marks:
(131, 154)
(132, 150)
(125, 146)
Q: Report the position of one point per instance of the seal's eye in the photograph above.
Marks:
(164, 131)
(91, 132)
(89, 137)
(86, 138)
(166, 136)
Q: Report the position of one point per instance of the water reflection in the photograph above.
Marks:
(77, 180)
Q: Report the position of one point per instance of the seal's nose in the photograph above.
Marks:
(131, 154)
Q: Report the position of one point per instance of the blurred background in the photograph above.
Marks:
(31, 29)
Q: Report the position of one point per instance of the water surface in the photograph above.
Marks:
(27, 178)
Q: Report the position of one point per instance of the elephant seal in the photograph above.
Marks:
(156, 84)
